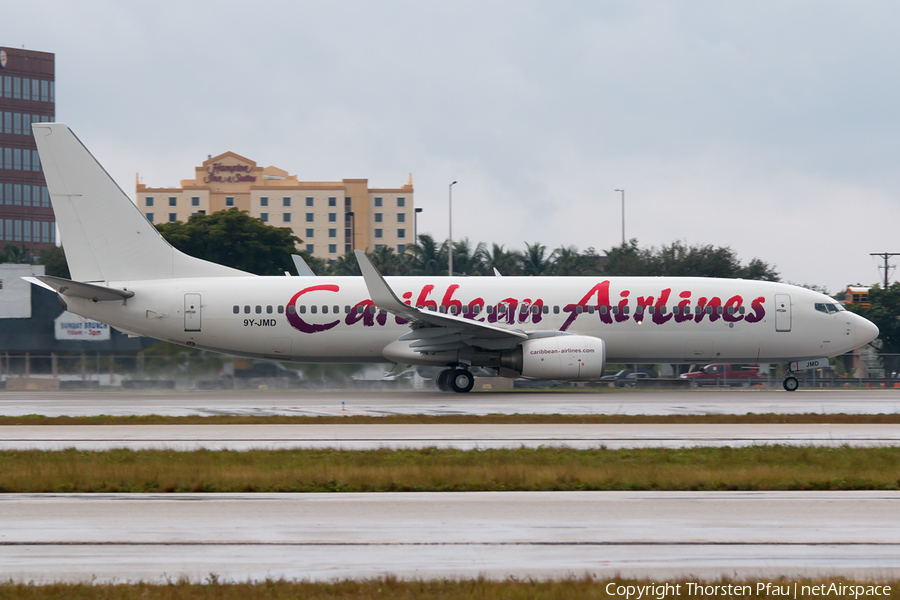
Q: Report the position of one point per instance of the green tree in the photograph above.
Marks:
(428, 259)
(507, 262)
(467, 260)
(54, 261)
(884, 311)
(235, 239)
(535, 260)
(680, 260)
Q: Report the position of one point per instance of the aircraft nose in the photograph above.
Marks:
(866, 330)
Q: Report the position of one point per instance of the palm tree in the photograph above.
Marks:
(465, 260)
(427, 257)
(345, 265)
(507, 262)
(534, 261)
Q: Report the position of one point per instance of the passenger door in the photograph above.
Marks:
(192, 312)
(782, 312)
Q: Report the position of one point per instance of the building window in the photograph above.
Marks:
(286, 217)
(378, 218)
(173, 217)
(377, 201)
(229, 200)
(309, 201)
(310, 217)
(401, 217)
(332, 233)
(286, 201)
(401, 233)
(264, 201)
(401, 202)
(378, 234)
(348, 202)
(195, 200)
(401, 248)
(148, 201)
(310, 248)
(264, 217)
(310, 233)
(150, 217)
(332, 202)
(173, 201)
(332, 248)
(378, 246)
(332, 217)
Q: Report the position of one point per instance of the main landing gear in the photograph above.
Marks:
(790, 382)
(455, 380)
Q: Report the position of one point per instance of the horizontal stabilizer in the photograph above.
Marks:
(76, 289)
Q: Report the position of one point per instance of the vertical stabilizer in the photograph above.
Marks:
(105, 236)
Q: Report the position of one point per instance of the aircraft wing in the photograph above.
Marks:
(433, 331)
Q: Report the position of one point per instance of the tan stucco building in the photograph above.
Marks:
(331, 217)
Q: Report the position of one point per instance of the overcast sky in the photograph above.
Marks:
(770, 127)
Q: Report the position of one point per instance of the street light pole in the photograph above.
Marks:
(623, 215)
(416, 226)
(450, 245)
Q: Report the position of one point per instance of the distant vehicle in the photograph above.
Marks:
(624, 374)
(631, 379)
(722, 374)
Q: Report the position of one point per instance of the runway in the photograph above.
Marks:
(380, 403)
(132, 537)
(366, 437)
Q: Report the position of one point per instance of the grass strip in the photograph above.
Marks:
(440, 470)
(492, 419)
(445, 589)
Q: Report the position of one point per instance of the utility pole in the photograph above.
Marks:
(623, 216)
(886, 267)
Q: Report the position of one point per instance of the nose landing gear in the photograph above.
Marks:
(789, 383)
(455, 380)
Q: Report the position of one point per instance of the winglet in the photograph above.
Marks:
(302, 268)
(380, 292)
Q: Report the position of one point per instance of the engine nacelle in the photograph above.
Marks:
(570, 357)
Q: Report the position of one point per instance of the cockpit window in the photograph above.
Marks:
(828, 308)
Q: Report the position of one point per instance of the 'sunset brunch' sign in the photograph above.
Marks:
(70, 326)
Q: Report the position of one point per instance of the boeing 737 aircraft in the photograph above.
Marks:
(125, 274)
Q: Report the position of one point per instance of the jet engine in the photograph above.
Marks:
(569, 357)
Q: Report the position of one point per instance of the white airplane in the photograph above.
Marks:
(125, 274)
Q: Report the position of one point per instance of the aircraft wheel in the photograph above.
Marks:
(461, 381)
(443, 380)
(790, 384)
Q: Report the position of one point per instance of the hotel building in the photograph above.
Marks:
(331, 217)
(27, 95)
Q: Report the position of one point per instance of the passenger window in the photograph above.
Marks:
(452, 310)
(649, 310)
(324, 309)
(346, 309)
(709, 310)
(698, 310)
(335, 309)
(246, 309)
(360, 309)
(579, 309)
(741, 310)
(719, 310)
(258, 309)
(604, 309)
(615, 310)
(373, 310)
(302, 309)
(293, 309)
(590, 310)
(556, 309)
(280, 309)
(501, 309)
(546, 310)
(490, 309)
(535, 310)
(662, 310)
(627, 310)
(237, 309)
(730, 310)
(269, 309)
